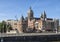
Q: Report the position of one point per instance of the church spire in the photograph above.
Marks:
(22, 18)
(30, 13)
(43, 15)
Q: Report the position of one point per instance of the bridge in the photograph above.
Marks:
(29, 37)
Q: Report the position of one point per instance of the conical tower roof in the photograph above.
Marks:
(22, 18)
(43, 15)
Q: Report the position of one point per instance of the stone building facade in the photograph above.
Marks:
(33, 24)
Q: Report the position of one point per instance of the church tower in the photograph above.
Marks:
(43, 16)
(21, 23)
(30, 19)
(22, 18)
(30, 14)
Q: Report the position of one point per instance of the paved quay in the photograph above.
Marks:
(41, 37)
(26, 34)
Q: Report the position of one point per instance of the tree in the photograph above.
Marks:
(4, 27)
(1, 27)
(8, 27)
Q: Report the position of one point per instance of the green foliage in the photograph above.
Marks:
(4, 27)
(0, 26)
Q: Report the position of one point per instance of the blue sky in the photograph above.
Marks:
(11, 8)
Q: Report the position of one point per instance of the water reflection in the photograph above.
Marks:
(25, 41)
(54, 41)
(39, 41)
(32, 41)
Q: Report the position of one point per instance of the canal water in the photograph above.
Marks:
(54, 41)
(30, 41)
(39, 41)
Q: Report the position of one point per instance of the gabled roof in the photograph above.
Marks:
(49, 19)
(40, 18)
(37, 18)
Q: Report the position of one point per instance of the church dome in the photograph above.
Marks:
(30, 14)
(30, 11)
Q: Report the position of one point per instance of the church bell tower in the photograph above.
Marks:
(30, 14)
